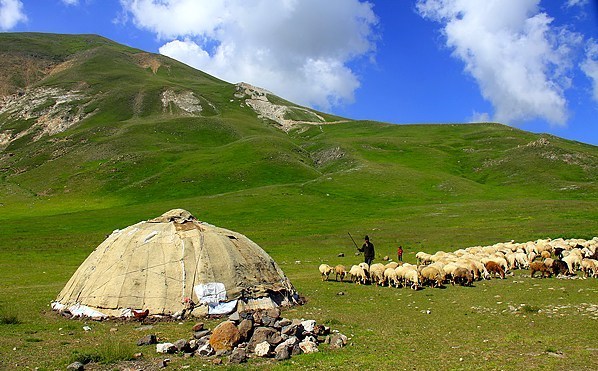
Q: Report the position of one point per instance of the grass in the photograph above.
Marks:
(426, 187)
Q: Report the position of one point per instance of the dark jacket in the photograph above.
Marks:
(368, 250)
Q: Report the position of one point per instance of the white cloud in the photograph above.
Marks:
(521, 62)
(11, 13)
(70, 2)
(299, 49)
(590, 66)
(573, 3)
(480, 117)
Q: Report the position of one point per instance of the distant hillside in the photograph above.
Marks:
(86, 123)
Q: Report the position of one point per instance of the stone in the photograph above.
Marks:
(262, 349)
(194, 344)
(148, 340)
(198, 327)
(283, 322)
(200, 311)
(261, 334)
(246, 315)
(165, 348)
(273, 313)
(182, 345)
(217, 361)
(292, 330)
(308, 325)
(308, 347)
(225, 336)
(162, 363)
(223, 352)
(268, 321)
(245, 329)
(205, 350)
(138, 355)
(341, 255)
(296, 350)
(289, 343)
(234, 317)
(238, 356)
(77, 366)
(282, 354)
(338, 340)
(320, 330)
(202, 333)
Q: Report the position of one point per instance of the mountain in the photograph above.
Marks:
(88, 123)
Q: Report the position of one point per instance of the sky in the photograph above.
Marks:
(531, 64)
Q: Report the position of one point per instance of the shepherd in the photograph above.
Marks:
(368, 250)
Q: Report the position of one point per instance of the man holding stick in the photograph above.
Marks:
(368, 250)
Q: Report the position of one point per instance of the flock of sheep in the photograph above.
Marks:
(464, 266)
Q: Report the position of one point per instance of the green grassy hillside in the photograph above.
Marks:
(96, 136)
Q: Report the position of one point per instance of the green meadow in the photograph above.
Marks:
(298, 195)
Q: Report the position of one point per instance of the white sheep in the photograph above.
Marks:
(377, 274)
(412, 278)
(589, 267)
(390, 276)
(358, 275)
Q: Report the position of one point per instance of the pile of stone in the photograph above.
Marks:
(253, 334)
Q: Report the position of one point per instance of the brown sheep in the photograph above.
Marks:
(462, 276)
(539, 267)
(494, 269)
(545, 254)
(340, 270)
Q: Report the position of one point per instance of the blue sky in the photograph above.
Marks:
(531, 64)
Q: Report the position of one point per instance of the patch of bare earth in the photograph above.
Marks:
(257, 99)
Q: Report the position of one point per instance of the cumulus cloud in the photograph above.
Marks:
(11, 13)
(521, 62)
(299, 49)
(590, 66)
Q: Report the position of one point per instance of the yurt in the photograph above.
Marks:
(175, 265)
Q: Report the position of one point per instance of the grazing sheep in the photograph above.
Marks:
(358, 275)
(432, 275)
(522, 261)
(539, 267)
(573, 261)
(589, 266)
(423, 258)
(390, 276)
(548, 262)
(412, 277)
(545, 254)
(341, 271)
(494, 269)
(559, 267)
(462, 276)
(325, 270)
(377, 274)
(392, 265)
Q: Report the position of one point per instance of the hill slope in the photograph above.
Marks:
(91, 123)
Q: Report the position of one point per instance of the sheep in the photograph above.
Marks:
(432, 274)
(494, 269)
(423, 258)
(390, 276)
(325, 270)
(411, 276)
(545, 254)
(462, 276)
(341, 271)
(392, 265)
(589, 266)
(539, 267)
(573, 261)
(548, 262)
(521, 259)
(559, 267)
(377, 274)
(358, 275)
